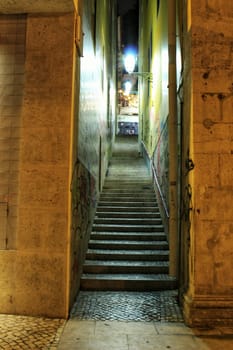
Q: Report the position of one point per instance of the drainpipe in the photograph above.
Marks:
(172, 140)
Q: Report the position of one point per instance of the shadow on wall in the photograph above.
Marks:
(84, 200)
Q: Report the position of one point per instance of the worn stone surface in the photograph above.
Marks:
(31, 6)
(101, 335)
(12, 67)
(210, 295)
(35, 105)
(20, 332)
(127, 306)
(44, 167)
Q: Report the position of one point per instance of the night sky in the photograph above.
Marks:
(128, 9)
(125, 5)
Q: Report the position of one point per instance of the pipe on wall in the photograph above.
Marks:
(172, 141)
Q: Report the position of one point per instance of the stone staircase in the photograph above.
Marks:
(128, 250)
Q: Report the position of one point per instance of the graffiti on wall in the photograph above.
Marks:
(84, 199)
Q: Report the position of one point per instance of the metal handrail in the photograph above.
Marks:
(155, 177)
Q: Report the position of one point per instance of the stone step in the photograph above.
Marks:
(128, 204)
(130, 214)
(128, 249)
(123, 254)
(134, 236)
(127, 228)
(125, 209)
(115, 266)
(127, 282)
(134, 190)
(128, 221)
(134, 199)
(127, 244)
(123, 195)
(116, 184)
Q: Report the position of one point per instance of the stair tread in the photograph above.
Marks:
(156, 233)
(125, 207)
(129, 236)
(131, 276)
(133, 220)
(107, 241)
(128, 248)
(98, 212)
(125, 228)
(126, 263)
(124, 225)
(129, 252)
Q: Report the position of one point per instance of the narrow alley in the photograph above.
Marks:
(116, 162)
(118, 320)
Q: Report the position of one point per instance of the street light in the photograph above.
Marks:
(128, 87)
(130, 62)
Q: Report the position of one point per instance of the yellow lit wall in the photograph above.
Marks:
(153, 48)
(208, 138)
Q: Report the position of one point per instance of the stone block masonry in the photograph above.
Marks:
(12, 67)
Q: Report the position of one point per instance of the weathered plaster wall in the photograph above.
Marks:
(97, 86)
(34, 271)
(94, 115)
(210, 109)
(154, 94)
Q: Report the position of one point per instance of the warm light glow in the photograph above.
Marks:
(128, 86)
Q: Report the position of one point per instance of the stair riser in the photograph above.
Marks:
(128, 257)
(119, 186)
(130, 215)
(128, 195)
(127, 204)
(125, 269)
(122, 285)
(108, 228)
(120, 236)
(125, 209)
(128, 221)
(123, 199)
(122, 246)
(128, 192)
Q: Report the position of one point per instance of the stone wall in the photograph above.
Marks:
(12, 60)
(37, 119)
(209, 107)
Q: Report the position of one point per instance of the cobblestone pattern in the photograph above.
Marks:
(21, 332)
(128, 306)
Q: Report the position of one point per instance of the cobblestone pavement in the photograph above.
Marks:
(21, 332)
(128, 306)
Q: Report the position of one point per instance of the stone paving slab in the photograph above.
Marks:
(22, 332)
(124, 335)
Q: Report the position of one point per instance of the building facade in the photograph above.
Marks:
(186, 129)
(57, 106)
(57, 125)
